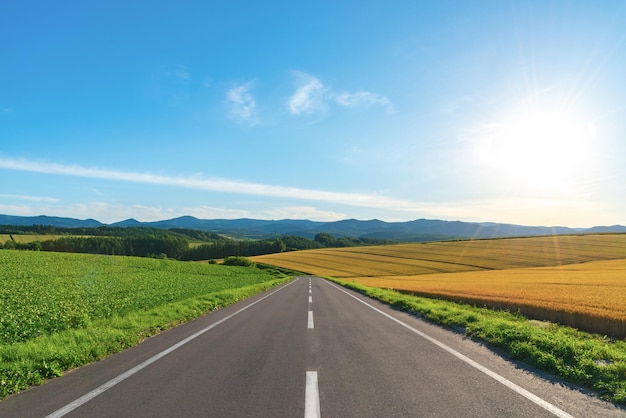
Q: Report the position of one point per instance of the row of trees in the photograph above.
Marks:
(113, 231)
(233, 248)
(173, 243)
(166, 246)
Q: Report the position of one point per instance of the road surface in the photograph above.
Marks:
(306, 349)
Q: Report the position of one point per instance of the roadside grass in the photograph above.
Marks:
(589, 360)
(109, 304)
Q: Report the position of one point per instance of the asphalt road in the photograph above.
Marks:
(306, 349)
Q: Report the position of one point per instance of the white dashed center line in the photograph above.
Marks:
(311, 397)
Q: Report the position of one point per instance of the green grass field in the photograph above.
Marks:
(62, 310)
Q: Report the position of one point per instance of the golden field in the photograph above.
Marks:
(452, 256)
(577, 280)
(27, 238)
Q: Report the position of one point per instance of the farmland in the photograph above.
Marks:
(43, 293)
(589, 296)
(27, 238)
(453, 256)
(575, 280)
(61, 310)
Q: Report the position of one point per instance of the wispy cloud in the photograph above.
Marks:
(213, 184)
(303, 212)
(211, 212)
(362, 99)
(312, 95)
(28, 198)
(110, 213)
(102, 211)
(308, 97)
(242, 104)
(284, 212)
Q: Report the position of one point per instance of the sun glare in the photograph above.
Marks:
(538, 147)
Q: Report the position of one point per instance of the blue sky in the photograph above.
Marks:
(504, 111)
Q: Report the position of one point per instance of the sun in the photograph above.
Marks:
(537, 146)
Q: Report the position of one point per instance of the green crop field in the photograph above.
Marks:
(61, 310)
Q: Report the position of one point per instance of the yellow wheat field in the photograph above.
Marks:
(27, 238)
(452, 257)
(596, 288)
(575, 280)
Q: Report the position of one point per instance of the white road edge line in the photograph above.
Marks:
(108, 385)
(310, 321)
(506, 382)
(311, 396)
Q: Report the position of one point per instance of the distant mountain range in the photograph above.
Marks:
(411, 231)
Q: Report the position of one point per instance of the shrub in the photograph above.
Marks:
(238, 261)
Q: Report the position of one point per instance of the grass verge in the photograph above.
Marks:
(29, 363)
(589, 360)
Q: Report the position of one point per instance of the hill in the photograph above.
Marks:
(419, 230)
(49, 221)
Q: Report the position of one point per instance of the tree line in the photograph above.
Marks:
(171, 243)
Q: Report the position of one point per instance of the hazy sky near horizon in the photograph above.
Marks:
(503, 111)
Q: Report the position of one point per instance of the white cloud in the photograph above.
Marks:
(242, 104)
(111, 213)
(28, 198)
(362, 98)
(214, 184)
(304, 212)
(312, 95)
(308, 97)
(101, 211)
(286, 212)
(209, 212)
(530, 211)
(19, 210)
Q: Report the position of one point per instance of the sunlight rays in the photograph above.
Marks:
(537, 145)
